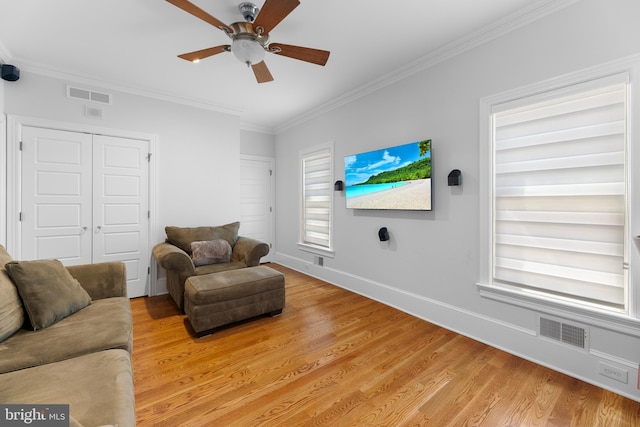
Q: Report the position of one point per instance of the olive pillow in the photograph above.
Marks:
(48, 291)
(182, 237)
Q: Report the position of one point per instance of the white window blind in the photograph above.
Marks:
(316, 198)
(560, 195)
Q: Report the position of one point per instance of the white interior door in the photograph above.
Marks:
(85, 199)
(121, 207)
(256, 200)
(56, 195)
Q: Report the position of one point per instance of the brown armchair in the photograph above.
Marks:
(175, 256)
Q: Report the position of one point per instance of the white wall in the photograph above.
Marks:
(2, 83)
(197, 150)
(197, 154)
(257, 143)
(430, 265)
(3, 167)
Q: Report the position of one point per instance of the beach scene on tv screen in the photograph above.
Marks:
(396, 177)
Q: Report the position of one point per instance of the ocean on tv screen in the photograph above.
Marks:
(361, 190)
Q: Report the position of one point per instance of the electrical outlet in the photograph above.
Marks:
(611, 371)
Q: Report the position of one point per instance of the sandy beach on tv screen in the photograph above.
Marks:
(415, 195)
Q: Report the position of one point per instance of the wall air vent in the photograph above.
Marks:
(88, 95)
(564, 332)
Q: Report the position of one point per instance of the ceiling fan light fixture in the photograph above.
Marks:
(247, 50)
(250, 39)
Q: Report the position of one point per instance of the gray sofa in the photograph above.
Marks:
(176, 255)
(83, 358)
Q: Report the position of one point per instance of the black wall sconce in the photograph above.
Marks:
(455, 177)
(383, 234)
(338, 186)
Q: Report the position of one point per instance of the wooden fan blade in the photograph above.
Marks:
(194, 10)
(262, 72)
(273, 12)
(204, 53)
(315, 56)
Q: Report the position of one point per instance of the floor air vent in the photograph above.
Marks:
(88, 95)
(561, 331)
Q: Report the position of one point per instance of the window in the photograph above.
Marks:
(557, 189)
(317, 200)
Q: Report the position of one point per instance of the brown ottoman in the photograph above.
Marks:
(217, 299)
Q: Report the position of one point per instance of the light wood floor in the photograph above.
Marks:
(335, 358)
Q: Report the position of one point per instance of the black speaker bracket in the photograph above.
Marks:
(9, 72)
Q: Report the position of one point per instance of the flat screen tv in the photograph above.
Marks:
(396, 177)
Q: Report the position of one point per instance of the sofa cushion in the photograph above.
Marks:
(210, 252)
(105, 324)
(215, 268)
(11, 310)
(98, 388)
(182, 237)
(49, 292)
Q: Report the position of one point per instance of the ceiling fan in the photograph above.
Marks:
(250, 39)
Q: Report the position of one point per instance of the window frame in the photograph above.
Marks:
(626, 321)
(307, 246)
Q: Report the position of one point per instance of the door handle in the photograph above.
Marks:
(98, 228)
(84, 229)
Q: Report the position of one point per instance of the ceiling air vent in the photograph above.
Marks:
(560, 330)
(88, 95)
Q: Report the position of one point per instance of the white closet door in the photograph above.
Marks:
(256, 200)
(56, 195)
(121, 205)
(85, 199)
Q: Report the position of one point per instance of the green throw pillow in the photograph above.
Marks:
(48, 291)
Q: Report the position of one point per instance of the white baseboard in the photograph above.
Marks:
(160, 287)
(514, 339)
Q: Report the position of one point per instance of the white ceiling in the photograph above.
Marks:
(132, 45)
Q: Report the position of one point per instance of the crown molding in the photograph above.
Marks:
(521, 18)
(4, 54)
(256, 128)
(95, 83)
(250, 127)
(525, 16)
(67, 76)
